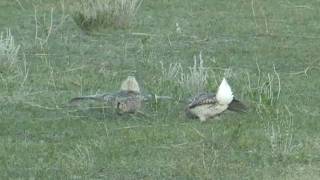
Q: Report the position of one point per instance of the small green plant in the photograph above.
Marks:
(95, 14)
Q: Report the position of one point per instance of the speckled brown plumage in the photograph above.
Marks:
(127, 100)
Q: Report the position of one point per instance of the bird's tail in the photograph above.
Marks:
(97, 97)
(237, 106)
(130, 84)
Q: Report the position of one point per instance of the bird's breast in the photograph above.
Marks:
(208, 110)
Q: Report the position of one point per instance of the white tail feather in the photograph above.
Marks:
(130, 84)
(224, 93)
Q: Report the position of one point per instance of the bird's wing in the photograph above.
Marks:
(107, 97)
(127, 94)
(95, 97)
(237, 106)
(123, 96)
(202, 99)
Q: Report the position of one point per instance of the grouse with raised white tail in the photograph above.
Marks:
(208, 105)
(127, 100)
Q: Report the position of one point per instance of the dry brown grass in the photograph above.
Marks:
(96, 14)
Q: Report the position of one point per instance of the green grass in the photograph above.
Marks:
(257, 40)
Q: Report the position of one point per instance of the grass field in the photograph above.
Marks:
(270, 50)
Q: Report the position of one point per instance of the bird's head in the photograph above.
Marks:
(224, 93)
(130, 84)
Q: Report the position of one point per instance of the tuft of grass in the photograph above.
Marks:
(8, 49)
(173, 72)
(14, 70)
(265, 90)
(280, 132)
(79, 161)
(193, 80)
(96, 14)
